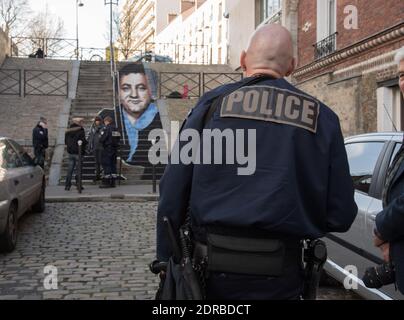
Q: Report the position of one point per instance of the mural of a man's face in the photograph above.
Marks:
(134, 93)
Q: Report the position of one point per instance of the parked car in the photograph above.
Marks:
(151, 57)
(369, 156)
(22, 187)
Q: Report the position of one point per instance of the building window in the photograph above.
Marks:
(219, 56)
(220, 15)
(326, 18)
(211, 13)
(219, 36)
(267, 8)
(390, 104)
(326, 28)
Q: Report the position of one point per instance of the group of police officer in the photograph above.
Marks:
(247, 230)
(103, 143)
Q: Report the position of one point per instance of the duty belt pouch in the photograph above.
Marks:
(245, 255)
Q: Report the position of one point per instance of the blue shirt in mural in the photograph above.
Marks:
(132, 130)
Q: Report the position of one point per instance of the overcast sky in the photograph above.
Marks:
(93, 19)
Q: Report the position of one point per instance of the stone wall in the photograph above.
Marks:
(20, 114)
(352, 98)
(4, 46)
(341, 97)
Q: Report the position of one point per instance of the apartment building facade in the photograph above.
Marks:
(151, 19)
(216, 31)
(345, 58)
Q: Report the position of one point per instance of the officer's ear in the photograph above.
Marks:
(242, 60)
(291, 67)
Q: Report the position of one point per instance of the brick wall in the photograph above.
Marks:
(19, 115)
(306, 38)
(373, 17)
(353, 99)
(341, 97)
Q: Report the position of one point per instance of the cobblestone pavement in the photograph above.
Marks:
(101, 251)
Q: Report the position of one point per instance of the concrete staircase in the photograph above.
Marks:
(95, 93)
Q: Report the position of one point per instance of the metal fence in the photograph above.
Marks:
(46, 83)
(103, 54)
(56, 83)
(191, 84)
(59, 48)
(54, 48)
(10, 82)
(177, 84)
(214, 80)
(179, 53)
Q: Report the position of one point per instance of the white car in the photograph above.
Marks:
(351, 253)
(22, 187)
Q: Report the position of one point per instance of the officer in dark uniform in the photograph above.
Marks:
(109, 139)
(248, 228)
(40, 141)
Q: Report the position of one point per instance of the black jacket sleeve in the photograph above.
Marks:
(390, 221)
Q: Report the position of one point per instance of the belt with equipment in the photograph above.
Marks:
(242, 255)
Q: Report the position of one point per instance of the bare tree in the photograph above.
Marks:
(46, 25)
(13, 16)
(126, 25)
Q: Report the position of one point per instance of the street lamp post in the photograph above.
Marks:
(78, 4)
(111, 45)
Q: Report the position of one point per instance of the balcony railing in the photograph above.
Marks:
(325, 47)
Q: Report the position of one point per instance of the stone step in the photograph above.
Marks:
(94, 78)
(91, 101)
(100, 97)
(89, 110)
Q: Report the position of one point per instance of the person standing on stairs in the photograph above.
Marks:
(95, 146)
(109, 139)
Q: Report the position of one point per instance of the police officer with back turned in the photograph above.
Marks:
(110, 140)
(247, 229)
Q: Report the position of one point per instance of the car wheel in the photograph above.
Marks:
(39, 206)
(8, 239)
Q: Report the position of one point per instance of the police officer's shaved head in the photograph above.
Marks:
(270, 51)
